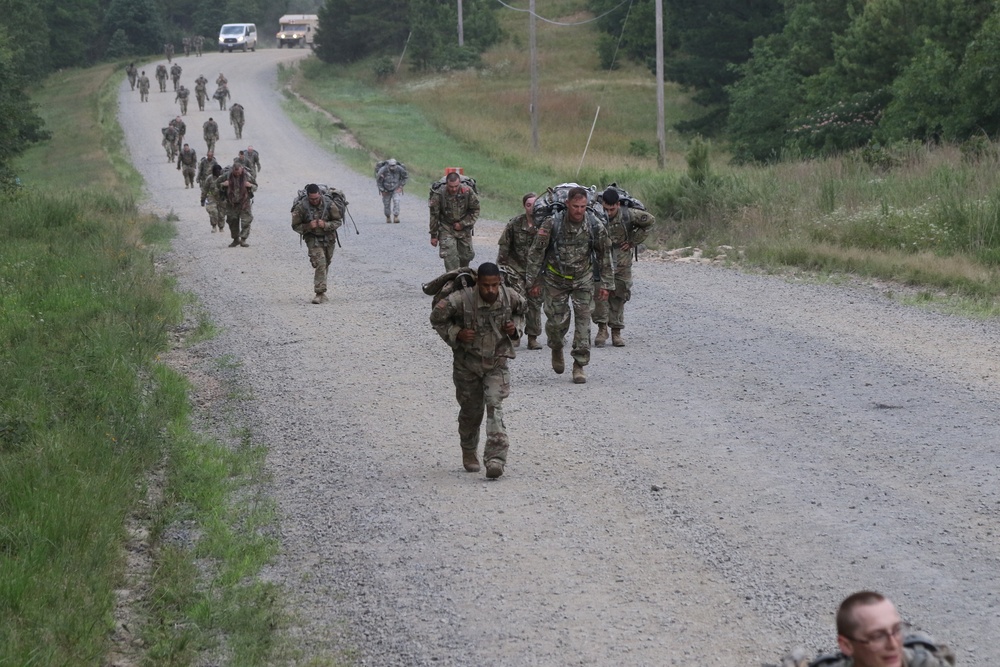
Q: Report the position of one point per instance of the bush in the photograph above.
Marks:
(383, 67)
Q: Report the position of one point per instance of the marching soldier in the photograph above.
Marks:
(454, 210)
(512, 256)
(316, 218)
(187, 160)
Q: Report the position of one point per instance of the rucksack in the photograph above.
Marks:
(336, 196)
(448, 283)
(438, 185)
(625, 199)
(383, 163)
(554, 199)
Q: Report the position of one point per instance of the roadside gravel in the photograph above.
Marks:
(759, 449)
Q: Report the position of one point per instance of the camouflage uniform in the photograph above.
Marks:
(169, 142)
(236, 119)
(222, 94)
(186, 43)
(515, 243)
(175, 75)
(236, 194)
(132, 74)
(221, 80)
(182, 97)
(210, 131)
(168, 50)
(628, 226)
(454, 246)
(161, 77)
(320, 242)
(187, 160)
(391, 179)
(479, 368)
(201, 91)
(144, 88)
(561, 261)
(205, 169)
(253, 159)
(199, 44)
(181, 128)
(919, 650)
(212, 200)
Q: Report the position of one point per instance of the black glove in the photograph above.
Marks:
(202, 201)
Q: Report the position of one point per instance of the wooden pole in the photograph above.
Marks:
(461, 30)
(661, 132)
(534, 76)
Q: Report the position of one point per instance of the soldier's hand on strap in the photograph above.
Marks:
(466, 335)
(510, 329)
(458, 226)
(434, 242)
(626, 246)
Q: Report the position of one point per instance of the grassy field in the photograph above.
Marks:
(923, 216)
(97, 456)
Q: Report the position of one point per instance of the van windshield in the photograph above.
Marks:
(232, 30)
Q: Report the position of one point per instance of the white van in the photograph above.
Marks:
(241, 36)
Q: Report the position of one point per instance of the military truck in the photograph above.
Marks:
(297, 30)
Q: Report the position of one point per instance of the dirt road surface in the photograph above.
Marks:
(758, 450)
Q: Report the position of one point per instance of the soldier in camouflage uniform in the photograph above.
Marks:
(515, 242)
(132, 73)
(316, 219)
(253, 159)
(222, 94)
(143, 87)
(221, 80)
(169, 142)
(205, 167)
(201, 91)
(236, 119)
(210, 131)
(570, 253)
(182, 97)
(390, 180)
(187, 161)
(480, 324)
(627, 228)
(454, 210)
(178, 124)
(236, 190)
(186, 43)
(175, 75)
(168, 50)
(199, 44)
(210, 197)
(161, 77)
(870, 633)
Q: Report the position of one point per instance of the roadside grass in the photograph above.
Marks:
(91, 417)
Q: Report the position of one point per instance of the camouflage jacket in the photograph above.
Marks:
(161, 72)
(175, 71)
(389, 179)
(205, 169)
(563, 251)
(465, 309)
(182, 94)
(210, 129)
(144, 83)
(169, 133)
(209, 190)
(919, 650)
(200, 83)
(238, 199)
(253, 159)
(515, 242)
(221, 93)
(446, 210)
(303, 213)
(236, 113)
(187, 158)
(630, 225)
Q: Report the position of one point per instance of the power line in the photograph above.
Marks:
(542, 18)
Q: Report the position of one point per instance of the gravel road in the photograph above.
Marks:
(760, 449)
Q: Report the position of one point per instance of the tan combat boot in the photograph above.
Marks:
(493, 469)
(319, 298)
(602, 335)
(579, 377)
(388, 220)
(558, 363)
(516, 342)
(533, 343)
(616, 338)
(396, 219)
(470, 461)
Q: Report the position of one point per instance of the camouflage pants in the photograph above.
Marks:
(210, 140)
(144, 95)
(184, 106)
(612, 311)
(239, 129)
(390, 202)
(216, 216)
(163, 85)
(201, 97)
(455, 252)
(320, 256)
(533, 315)
(481, 390)
(239, 221)
(188, 176)
(557, 294)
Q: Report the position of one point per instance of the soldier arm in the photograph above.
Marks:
(642, 222)
(504, 244)
(472, 212)
(334, 216)
(518, 306)
(536, 254)
(435, 205)
(299, 222)
(602, 249)
(446, 318)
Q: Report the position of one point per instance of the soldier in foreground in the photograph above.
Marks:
(390, 180)
(210, 132)
(512, 256)
(143, 87)
(169, 142)
(222, 94)
(627, 228)
(480, 324)
(236, 190)
(178, 124)
(187, 161)
(210, 197)
(182, 97)
(454, 210)
(236, 119)
(161, 77)
(569, 255)
(316, 219)
(870, 633)
(132, 74)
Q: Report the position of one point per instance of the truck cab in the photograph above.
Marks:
(297, 30)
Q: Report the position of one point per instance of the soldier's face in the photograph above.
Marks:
(878, 639)
(453, 187)
(529, 206)
(489, 288)
(611, 209)
(577, 209)
(315, 198)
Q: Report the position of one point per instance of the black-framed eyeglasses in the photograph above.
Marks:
(884, 637)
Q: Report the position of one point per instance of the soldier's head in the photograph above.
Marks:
(314, 195)
(576, 205)
(186, 147)
(216, 170)
(611, 202)
(144, 72)
(210, 155)
(453, 182)
(237, 169)
(249, 149)
(528, 202)
(391, 163)
(488, 281)
(870, 631)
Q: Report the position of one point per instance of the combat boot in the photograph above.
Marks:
(320, 298)
(234, 243)
(602, 335)
(533, 343)
(470, 460)
(579, 377)
(493, 469)
(516, 342)
(616, 338)
(388, 220)
(396, 219)
(558, 363)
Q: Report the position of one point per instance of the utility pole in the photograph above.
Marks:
(661, 132)
(534, 75)
(461, 30)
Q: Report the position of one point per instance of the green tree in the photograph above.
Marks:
(978, 96)
(139, 20)
(353, 29)
(923, 97)
(763, 102)
(73, 25)
(31, 57)
(20, 126)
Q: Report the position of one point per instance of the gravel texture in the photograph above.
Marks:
(760, 448)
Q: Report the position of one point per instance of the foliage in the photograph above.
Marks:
(141, 23)
(350, 30)
(20, 125)
(842, 126)
(383, 67)
(923, 97)
(434, 37)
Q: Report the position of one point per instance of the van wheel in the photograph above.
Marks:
(254, 48)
